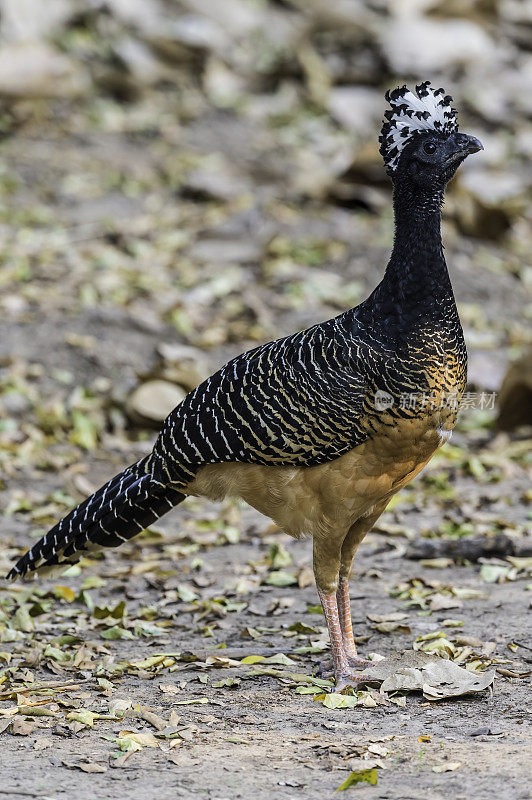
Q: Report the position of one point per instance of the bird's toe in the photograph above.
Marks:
(357, 662)
(345, 679)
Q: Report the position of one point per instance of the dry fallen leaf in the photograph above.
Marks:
(21, 728)
(335, 700)
(142, 739)
(440, 602)
(43, 743)
(437, 678)
(436, 563)
(448, 767)
(394, 616)
(91, 766)
(360, 776)
(169, 688)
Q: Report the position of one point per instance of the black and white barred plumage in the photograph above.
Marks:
(254, 409)
(120, 509)
(298, 401)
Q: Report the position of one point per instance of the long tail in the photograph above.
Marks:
(119, 510)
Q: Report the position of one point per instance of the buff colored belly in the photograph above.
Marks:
(332, 496)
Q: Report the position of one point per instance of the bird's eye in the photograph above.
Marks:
(429, 147)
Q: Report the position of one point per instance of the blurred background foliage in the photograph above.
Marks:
(181, 180)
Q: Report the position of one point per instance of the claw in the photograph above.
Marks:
(356, 661)
(326, 667)
(344, 679)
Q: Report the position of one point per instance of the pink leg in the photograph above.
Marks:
(340, 662)
(346, 626)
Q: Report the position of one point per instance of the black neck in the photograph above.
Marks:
(416, 288)
(416, 274)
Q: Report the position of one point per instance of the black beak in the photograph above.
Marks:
(473, 145)
(461, 145)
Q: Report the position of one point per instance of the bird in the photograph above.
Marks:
(319, 429)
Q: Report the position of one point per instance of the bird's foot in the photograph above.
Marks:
(353, 657)
(345, 679)
(357, 662)
(326, 667)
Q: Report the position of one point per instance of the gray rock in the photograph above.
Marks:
(141, 62)
(25, 20)
(15, 403)
(215, 184)
(182, 364)
(419, 46)
(151, 402)
(488, 201)
(145, 15)
(34, 69)
(356, 108)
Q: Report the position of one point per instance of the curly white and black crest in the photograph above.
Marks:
(427, 110)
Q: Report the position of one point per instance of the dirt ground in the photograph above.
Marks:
(115, 240)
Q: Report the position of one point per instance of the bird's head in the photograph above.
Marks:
(420, 141)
